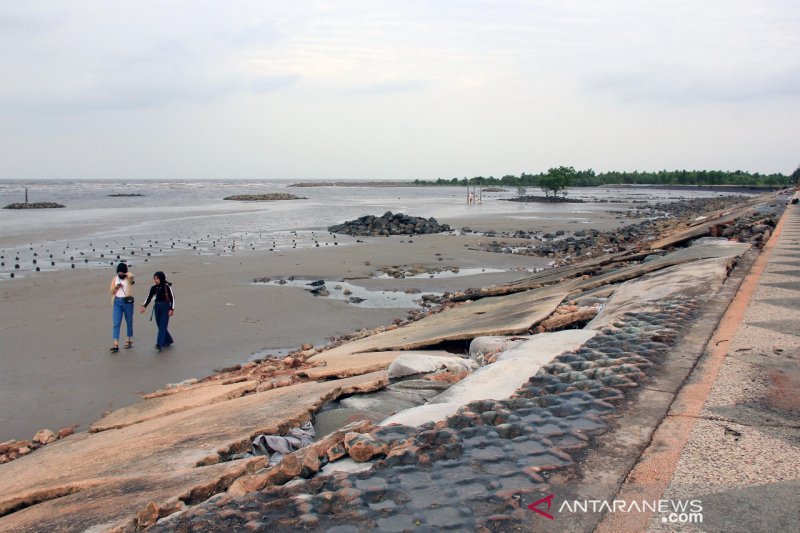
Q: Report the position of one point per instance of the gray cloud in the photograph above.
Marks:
(485, 81)
(673, 87)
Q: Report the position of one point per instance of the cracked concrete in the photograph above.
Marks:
(501, 454)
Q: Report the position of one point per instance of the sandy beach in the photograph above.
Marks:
(56, 370)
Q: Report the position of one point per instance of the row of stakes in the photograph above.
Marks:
(132, 252)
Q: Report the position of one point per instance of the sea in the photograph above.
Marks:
(105, 221)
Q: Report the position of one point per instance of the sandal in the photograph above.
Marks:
(114, 348)
(128, 344)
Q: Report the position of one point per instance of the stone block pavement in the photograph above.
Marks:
(731, 440)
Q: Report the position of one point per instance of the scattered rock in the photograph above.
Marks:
(148, 516)
(363, 446)
(319, 291)
(45, 436)
(65, 432)
(285, 381)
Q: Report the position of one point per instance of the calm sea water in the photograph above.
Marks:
(174, 216)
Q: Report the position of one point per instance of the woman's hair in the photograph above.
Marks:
(161, 277)
(122, 268)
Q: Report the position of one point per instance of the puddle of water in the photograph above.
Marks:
(357, 295)
(445, 273)
(330, 420)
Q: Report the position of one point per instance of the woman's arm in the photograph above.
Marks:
(149, 297)
(153, 290)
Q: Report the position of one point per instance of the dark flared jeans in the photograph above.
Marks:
(161, 313)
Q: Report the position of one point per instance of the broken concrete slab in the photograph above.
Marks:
(501, 315)
(173, 403)
(706, 250)
(481, 346)
(354, 365)
(411, 363)
(119, 504)
(648, 293)
(719, 218)
(191, 384)
(560, 274)
(362, 363)
(498, 380)
(178, 451)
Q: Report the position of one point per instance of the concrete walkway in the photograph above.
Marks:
(729, 448)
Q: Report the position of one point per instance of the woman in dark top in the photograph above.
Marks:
(163, 308)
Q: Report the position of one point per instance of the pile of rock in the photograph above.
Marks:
(687, 209)
(562, 247)
(33, 205)
(546, 199)
(263, 197)
(14, 449)
(755, 229)
(587, 243)
(362, 442)
(389, 224)
(583, 241)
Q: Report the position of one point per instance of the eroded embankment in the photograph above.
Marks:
(479, 466)
(473, 468)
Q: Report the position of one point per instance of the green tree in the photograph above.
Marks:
(794, 179)
(556, 181)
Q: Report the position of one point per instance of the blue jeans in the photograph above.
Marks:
(161, 313)
(120, 309)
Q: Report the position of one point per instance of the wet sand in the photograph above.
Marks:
(55, 327)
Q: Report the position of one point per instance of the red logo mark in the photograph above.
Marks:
(548, 500)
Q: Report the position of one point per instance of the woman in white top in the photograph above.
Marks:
(122, 300)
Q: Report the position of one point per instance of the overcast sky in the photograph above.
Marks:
(395, 89)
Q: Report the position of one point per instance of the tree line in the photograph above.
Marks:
(559, 178)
